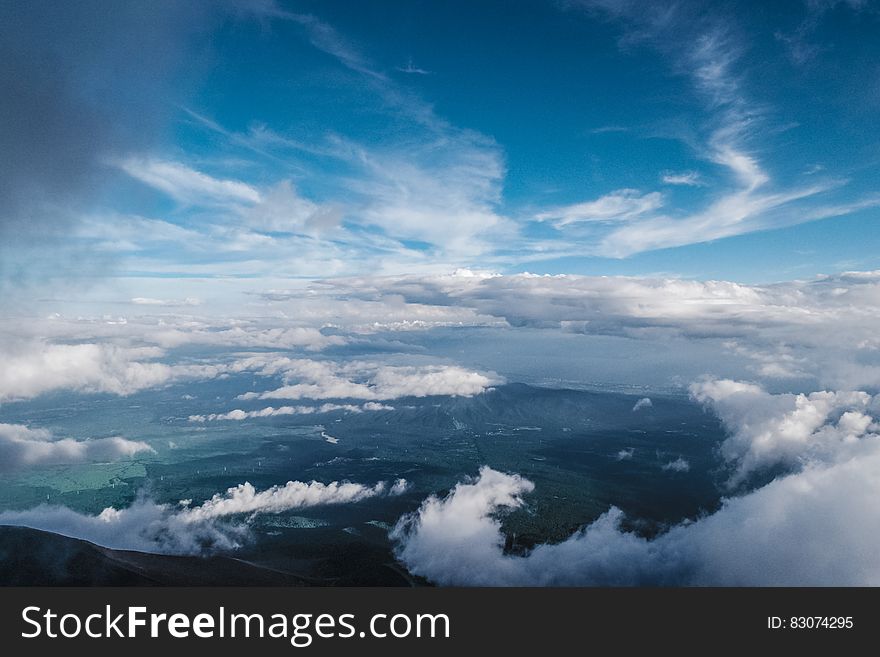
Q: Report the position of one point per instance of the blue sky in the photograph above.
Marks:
(300, 139)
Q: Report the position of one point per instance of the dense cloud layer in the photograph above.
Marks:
(792, 334)
(151, 527)
(21, 447)
(823, 329)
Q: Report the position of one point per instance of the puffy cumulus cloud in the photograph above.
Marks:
(32, 368)
(788, 430)
(21, 447)
(312, 379)
(182, 529)
(425, 381)
(271, 411)
(429, 540)
(817, 527)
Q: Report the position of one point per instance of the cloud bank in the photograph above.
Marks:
(147, 526)
(21, 447)
(271, 411)
(822, 328)
(244, 498)
(311, 379)
(33, 368)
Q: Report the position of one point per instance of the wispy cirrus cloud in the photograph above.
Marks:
(711, 57)
(687, 178)
(620, 205)
(188, 185)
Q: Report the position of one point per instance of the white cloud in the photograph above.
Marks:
(22, 447)
(818, 527)
(678, 465)
(444, 192)
(740, 211)
(620, 205)
(108, 354)
(688, 178)
(381, 312)
(282, 209)
(30, 369)
(324, 37)
(244, 498)
(151, 527)
(625, 454)
(271, 411)
(149, 301)
(821, 329)
(272, 208)
(144, 526)
(240, 334)
(188, 185)
(778, 363)
(644, 402)
(787, 430)
(310, 379)
(120, 233)
(706, 49)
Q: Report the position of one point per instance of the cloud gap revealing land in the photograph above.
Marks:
(439, 294)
